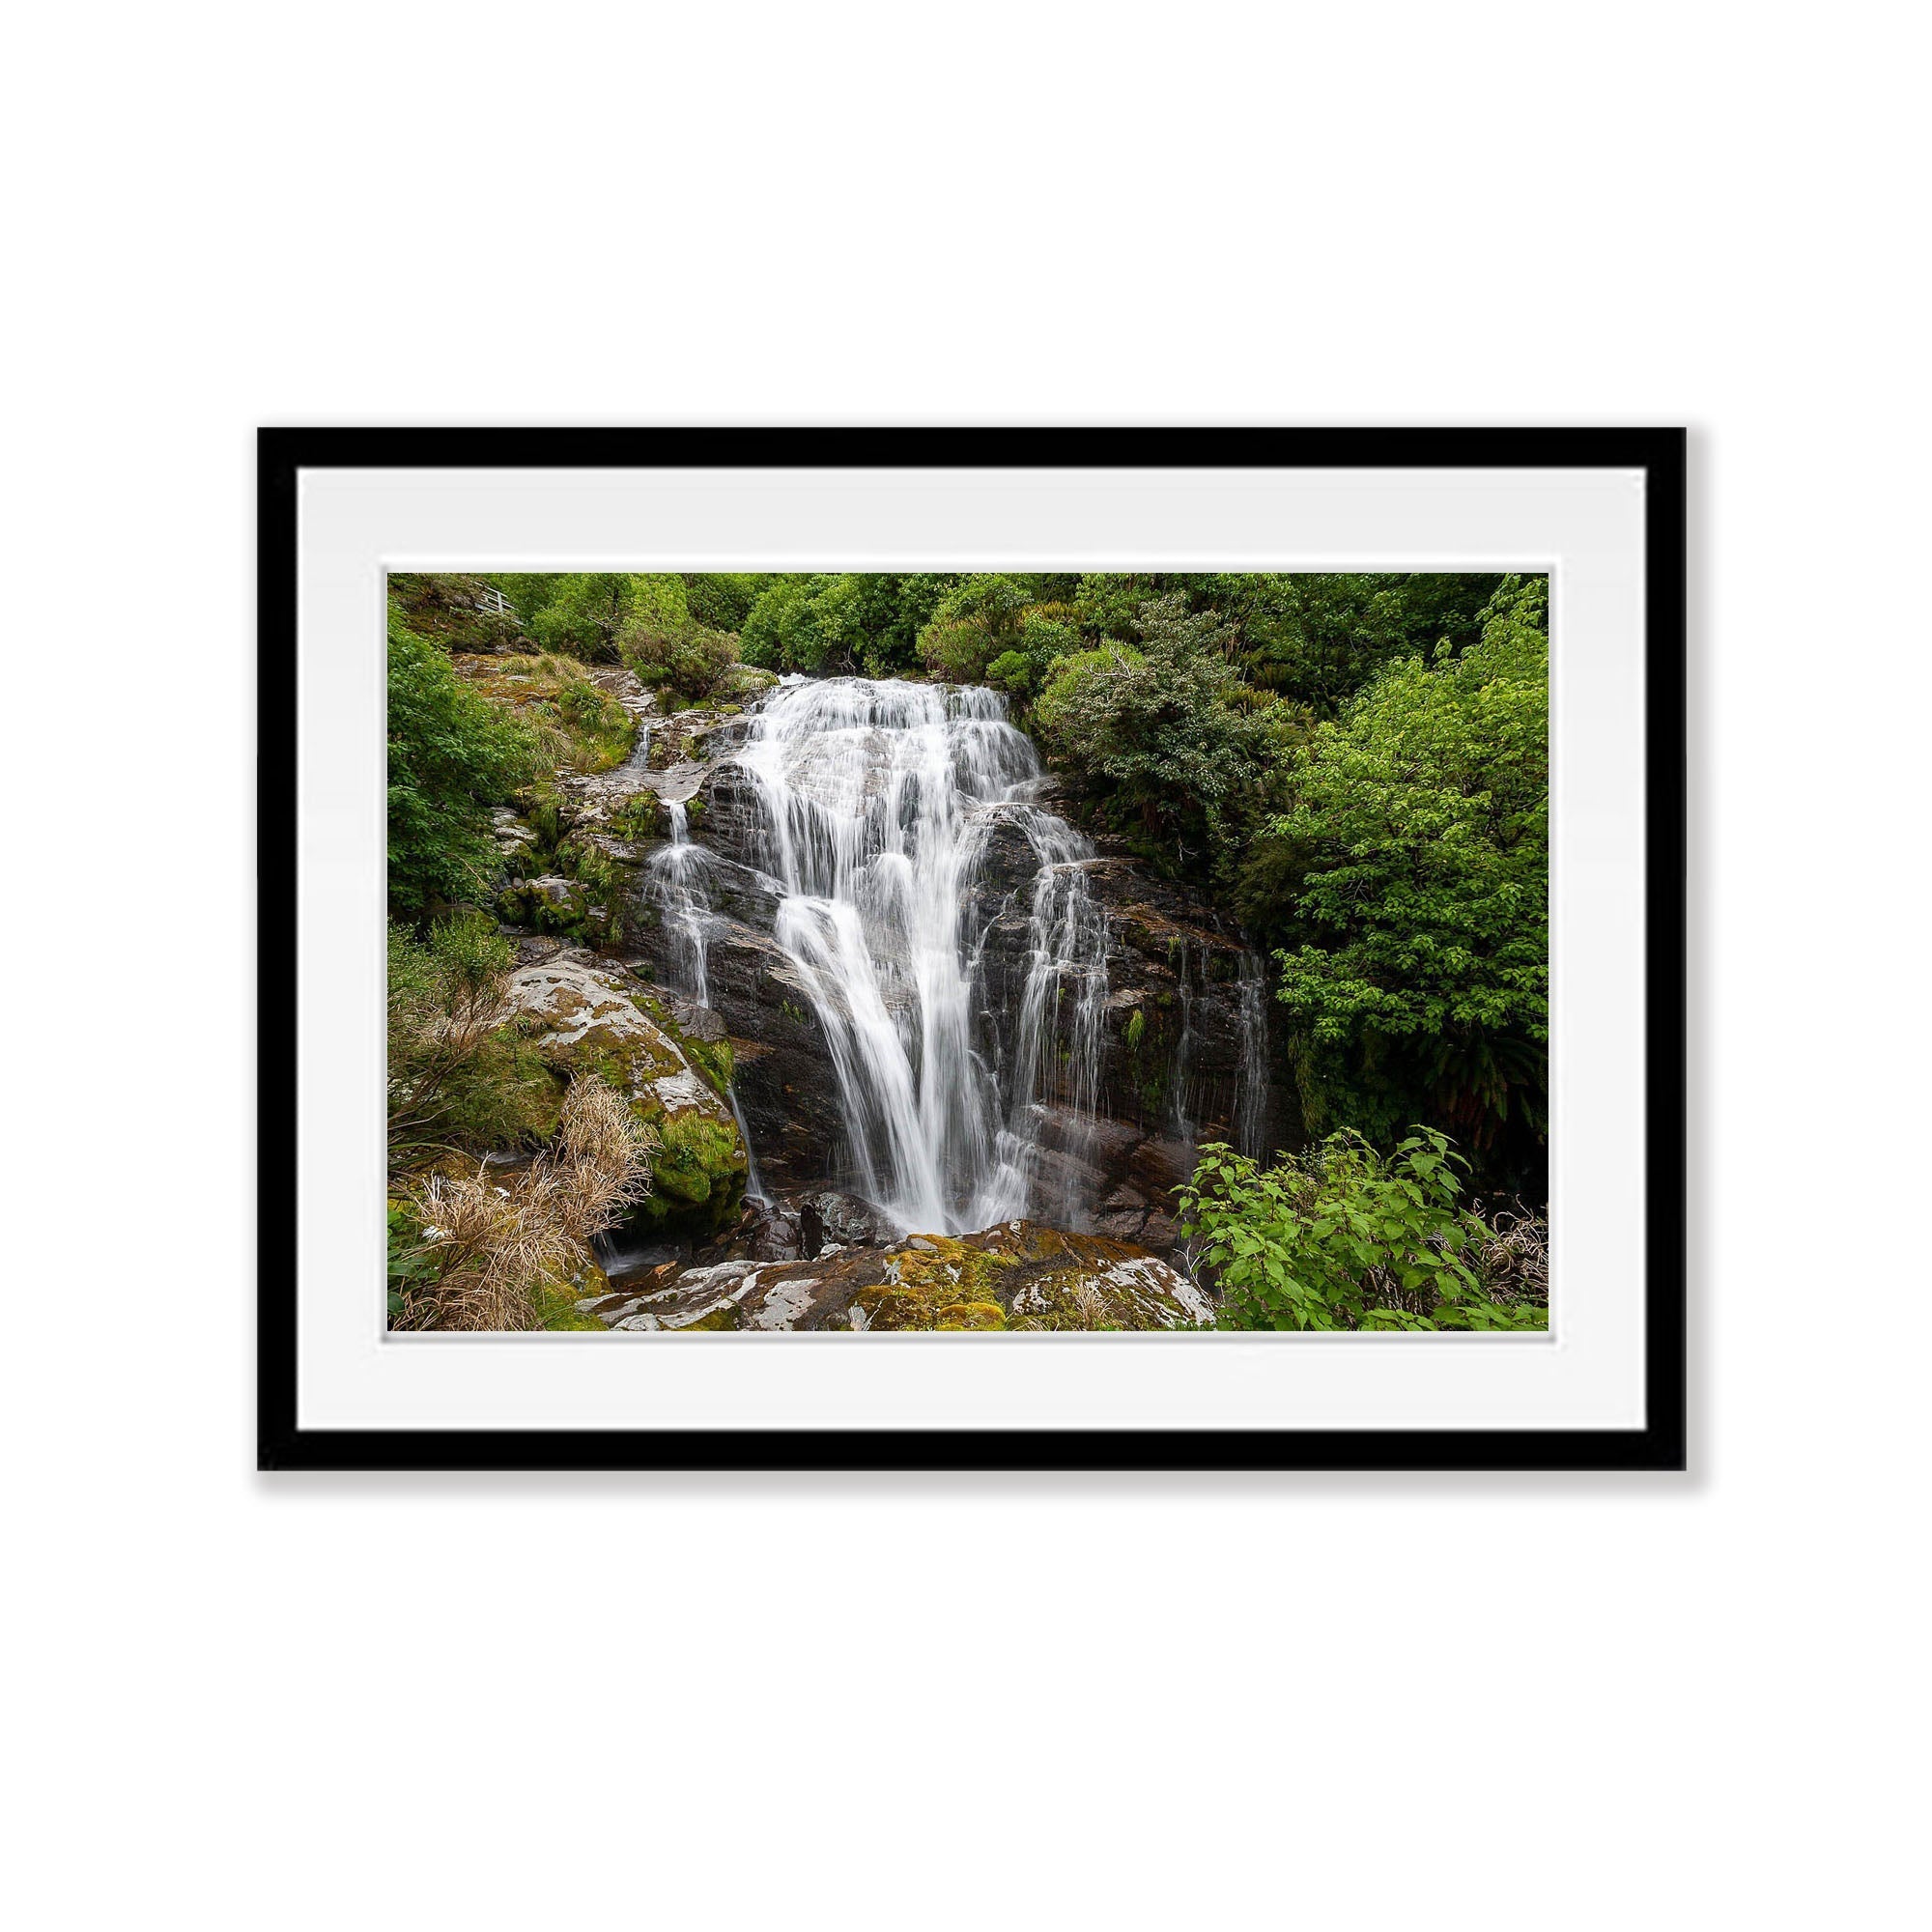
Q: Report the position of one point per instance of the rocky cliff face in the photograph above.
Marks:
(1183, 1055)
(1184, 1051)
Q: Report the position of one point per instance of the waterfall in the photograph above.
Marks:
(671, 882)
(1066, 955)
(875, 802)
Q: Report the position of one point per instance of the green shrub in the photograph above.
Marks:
(1342, 1238)
(452, 756)
(686, 660)
(1166, 735)
(958, 650)
(721, 600)
(460, 1076)
(775, 627)
(1012, 671)
(583, 613)
(974, 622)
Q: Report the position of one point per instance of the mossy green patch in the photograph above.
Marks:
(888, 1308)
(984, 1314)
(943, 1283)
(558, 1313)
(698, 1172)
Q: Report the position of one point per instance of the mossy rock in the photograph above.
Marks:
(589, 1020)
(700, 1165)
(984, 1315)
(891, 1307)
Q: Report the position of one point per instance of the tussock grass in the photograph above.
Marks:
(489, 1253)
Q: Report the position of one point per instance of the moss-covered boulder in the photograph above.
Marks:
(586, 1016)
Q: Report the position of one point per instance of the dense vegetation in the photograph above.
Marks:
(1355, 764)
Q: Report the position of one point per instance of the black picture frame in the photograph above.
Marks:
(1660, 1444)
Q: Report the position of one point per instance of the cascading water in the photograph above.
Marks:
(1061, 1008)
(671, 882)
(876, 799)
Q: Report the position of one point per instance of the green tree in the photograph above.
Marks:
(451, 757)
(1415, 853)
(841, 622)
(1319, 639)
(1163, 736)
(721, 600)
(688, 660)
(582, 614)
(976, 620)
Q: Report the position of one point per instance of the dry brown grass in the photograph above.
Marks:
(494, 1248)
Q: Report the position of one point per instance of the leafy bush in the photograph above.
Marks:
(1342, 1238)
(1070, 691)
(583, 613)
(1012, 671)
(1048, 632)
(774, 635)
(959, 650)
(451, 757)
(721, 600)
(974, 622)
(692, 663)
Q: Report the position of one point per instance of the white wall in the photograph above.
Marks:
(882, 1702)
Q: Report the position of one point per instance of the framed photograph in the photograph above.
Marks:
(972, 948)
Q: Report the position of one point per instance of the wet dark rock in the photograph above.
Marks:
(849, 1221)
(703, 1023)
(728, 818)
